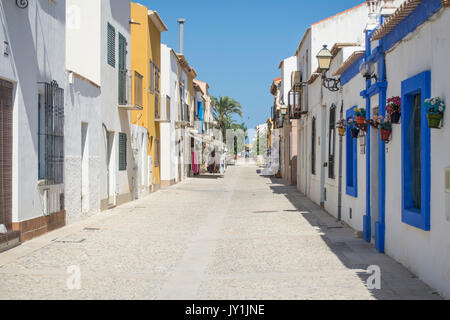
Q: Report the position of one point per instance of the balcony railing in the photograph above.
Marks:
(130, 82)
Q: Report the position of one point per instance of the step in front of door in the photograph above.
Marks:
(9, 240)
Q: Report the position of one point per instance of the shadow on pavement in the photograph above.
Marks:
(208, 176)
(354, 253)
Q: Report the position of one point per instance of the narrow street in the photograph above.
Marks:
(241, 236)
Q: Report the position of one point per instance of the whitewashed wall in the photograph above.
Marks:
(36, 37)
(169, 87)
(424, 253)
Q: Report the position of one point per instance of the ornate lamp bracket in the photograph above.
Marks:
(22, 3)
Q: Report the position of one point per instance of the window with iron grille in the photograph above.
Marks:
(332, 142)
(51, 133)
(313, 146)
(122, 152)
(111, 38)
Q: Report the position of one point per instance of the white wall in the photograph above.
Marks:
(82, 107)
(289, 65)
(117, 13)
(169, 87)
(83, 51)
(36, 36)
(424, 253)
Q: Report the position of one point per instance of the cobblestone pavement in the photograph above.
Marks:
(241, 236)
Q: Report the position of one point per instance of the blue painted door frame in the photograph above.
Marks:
(379, 88)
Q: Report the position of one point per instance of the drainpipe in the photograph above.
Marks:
(181, 24)
(323, 132)
(341, 116)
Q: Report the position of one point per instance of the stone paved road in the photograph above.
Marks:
(237, 237)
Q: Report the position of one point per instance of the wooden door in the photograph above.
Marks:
(6, 141)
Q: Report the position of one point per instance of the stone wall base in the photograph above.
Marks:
(32, 228)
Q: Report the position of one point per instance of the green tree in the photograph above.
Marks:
(224, 110)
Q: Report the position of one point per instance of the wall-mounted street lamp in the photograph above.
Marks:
(367, 70)
(22, 3)
(324, 57)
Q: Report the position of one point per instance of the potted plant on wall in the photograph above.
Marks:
(394, 109)
(385, 127)
(340, 125)
(435, 111)
(360, 115)
(375, 121)
(354, 131)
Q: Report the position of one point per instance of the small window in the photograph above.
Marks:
(313, 146)
(111, 38)
(351, 160)
(122, 152)
(332, 142)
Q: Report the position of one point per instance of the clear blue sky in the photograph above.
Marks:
(237, 45)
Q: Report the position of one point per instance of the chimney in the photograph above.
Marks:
(181, 23)
(388, 8)
(374, 10)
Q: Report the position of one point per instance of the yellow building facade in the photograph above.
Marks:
(146, 29)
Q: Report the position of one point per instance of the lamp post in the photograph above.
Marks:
(324, 58)
(367, 70)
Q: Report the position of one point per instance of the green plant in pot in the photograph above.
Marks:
(435, 112)
(385, 127)
(360, 114)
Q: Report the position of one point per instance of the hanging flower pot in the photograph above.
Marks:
(394, 109)
(434, 120)
(385, 134)
(395, 117)
(446, 3)
(354, 132)
(341, 131)
(435, 112)
(360, 120)
(360, 114)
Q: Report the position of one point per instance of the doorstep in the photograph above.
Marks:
(9, 240)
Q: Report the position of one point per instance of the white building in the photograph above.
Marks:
(171, 148)
(398, 192)
(346, 28)
(32, 138)
(105, 154)
(413, 214)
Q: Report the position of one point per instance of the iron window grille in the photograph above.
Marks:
(51, 133)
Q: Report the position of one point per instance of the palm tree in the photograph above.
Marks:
(224, 109)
